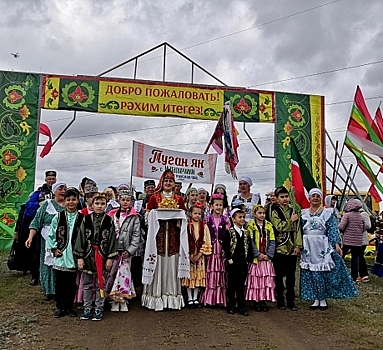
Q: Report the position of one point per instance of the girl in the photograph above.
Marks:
(216, 278)
(221, 189)
(260, 285)
(199, 245)
(128, 233)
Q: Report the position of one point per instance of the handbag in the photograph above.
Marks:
(13, 262)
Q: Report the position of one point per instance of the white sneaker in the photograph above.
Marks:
(115, 307)
(124, 307)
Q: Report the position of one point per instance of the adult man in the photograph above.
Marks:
(46, 189)
(177, 189)
(149, 187)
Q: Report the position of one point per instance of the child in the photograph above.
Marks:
(260, 285)
(95, 244)
(128, 233)
(90, 192)
(288, 240)
(62, 237)
(238, 252)
(199, 246)
(216, 278)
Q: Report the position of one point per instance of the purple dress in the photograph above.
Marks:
(216, 276)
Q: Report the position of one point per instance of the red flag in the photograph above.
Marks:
(374, 194)
(230, 141)
(48, 146)
(379, 122)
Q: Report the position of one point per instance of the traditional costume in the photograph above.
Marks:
(42, 220)
(166, 258)
(323, 271)
(216, 276)
(377, 269)
(120, 285)
(247, 202)
(288, 236)
(95, 244)
(62, 236)
(199, 243)
(260, 285)
(238, 247)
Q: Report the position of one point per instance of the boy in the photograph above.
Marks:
(90, 192)
(238, 249)
(62, 237)
(288, 240)
(95, 245)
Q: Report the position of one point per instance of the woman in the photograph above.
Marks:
(166, 254)
(323, 271)
(246, 197)
(191, 197)
(203, 198)
(42, 221)
(352, 227)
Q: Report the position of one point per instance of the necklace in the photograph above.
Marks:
(167, 194)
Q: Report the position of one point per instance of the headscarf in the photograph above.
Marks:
(123, 185)
(167, 174)
(57, 185)
(315, 191)
(191, 189)
(217, 186)
(246, 179)
(86, 181)
(327, 201)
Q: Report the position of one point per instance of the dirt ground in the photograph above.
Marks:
(27, 322)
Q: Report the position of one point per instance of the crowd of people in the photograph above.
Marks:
(85, 246)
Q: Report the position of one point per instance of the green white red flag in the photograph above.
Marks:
(301, 178)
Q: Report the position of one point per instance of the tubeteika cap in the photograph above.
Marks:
(50, 173)
(91, 189)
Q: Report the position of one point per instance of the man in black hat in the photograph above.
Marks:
(149, 187)
(46, 189)
(177, 189)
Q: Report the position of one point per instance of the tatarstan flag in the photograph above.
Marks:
(301, 178)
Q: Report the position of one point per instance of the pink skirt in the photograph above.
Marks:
(260, 284)
(216, 278)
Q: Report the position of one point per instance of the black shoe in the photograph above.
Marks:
(264, 307)
(59, 313)
(292, 307)
(231, 311)
(323, 308)
(191, 304)
(257, 307)
(314, 307)
(243, 312)
(281, 306)
(48, 297)
(34, 282)
(72, 313)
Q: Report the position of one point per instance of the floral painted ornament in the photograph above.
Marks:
(9, 157)
(14, 96)
(82, 94)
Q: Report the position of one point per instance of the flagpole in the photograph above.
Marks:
(333, 172)
(346, 185)
(341, 162)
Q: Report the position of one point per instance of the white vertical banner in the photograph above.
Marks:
(150, 162)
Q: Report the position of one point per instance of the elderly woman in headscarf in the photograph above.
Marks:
(166, 254)
(246, 197)
(330, 202)
(42, 221)
(323, 272)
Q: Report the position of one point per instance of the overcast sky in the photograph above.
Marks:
(259, 44)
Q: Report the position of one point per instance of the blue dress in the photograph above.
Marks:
(323, 271)
(377, 269)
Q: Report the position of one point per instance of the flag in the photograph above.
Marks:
(374, 194)
(216, 138)
(225, 127)
(48, 146)
(301, 178)
(230, 141)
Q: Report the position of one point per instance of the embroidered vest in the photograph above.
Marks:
(195, 244)
(62, 234)
(233, 240)
(213, 229)
(281, 238)
(102, 238)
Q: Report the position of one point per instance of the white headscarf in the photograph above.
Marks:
(316, 191)
(246, 179)
(57, 185)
